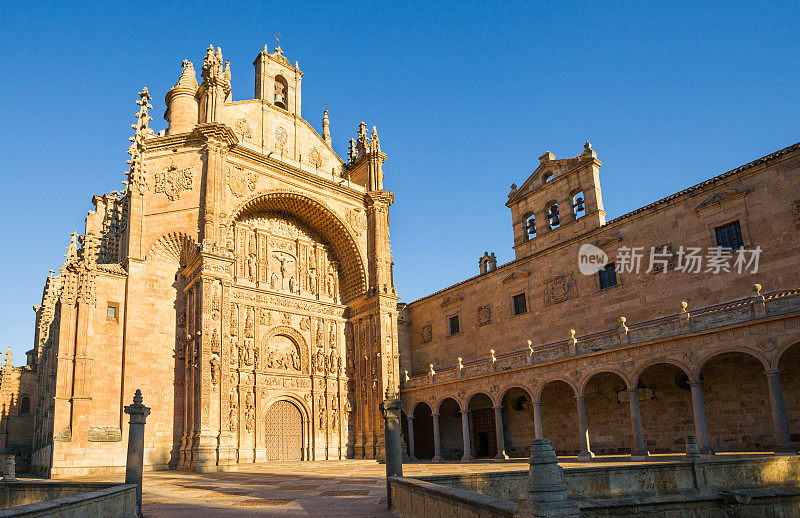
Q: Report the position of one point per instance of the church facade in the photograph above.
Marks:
(242, 280)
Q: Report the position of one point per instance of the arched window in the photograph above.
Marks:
(578, 206)
(24, 405)
(553, 220)
(281, 92)
(530, 227)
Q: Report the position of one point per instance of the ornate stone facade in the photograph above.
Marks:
(232, 282)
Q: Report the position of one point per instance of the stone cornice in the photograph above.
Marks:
(216, 131)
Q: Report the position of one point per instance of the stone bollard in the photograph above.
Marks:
(692, 451)
(390, 410)
(9, 468)
(546, 491)
(135, 463)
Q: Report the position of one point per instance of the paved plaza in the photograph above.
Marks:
(353, 488)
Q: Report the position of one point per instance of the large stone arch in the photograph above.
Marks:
(602, 370)
(297, 337)
(655, 361)
(320, 218)
(784, 346)
(537, 395)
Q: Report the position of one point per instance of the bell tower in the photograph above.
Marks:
(277, 82)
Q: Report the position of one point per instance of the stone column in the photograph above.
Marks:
(639, 450)
(498, 429)
(779, 419)
(583, 430)
(410, 421)
(546, 493)
(437, 446)
(537, 418)
(135, 462)
(700, 426)
(393, 440)
(9, 468)
(465, 436)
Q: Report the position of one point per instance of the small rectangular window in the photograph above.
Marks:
(729, 235)
(608, 276)
(111, 312)
(454, 324)
(519, 304)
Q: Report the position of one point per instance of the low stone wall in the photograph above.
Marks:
(763, 486)
(67, 499)
(417, 498)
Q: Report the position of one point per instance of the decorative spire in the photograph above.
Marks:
(136, 178)
(362, 141)
(188, 77)
(326, 128)
(375, 143)
(351, 151)
(72, 250)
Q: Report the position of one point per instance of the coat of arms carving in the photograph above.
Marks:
(425, 334)
(484, 315)
(173, 181)
(241, 181)
(357, 220)
(559, 289)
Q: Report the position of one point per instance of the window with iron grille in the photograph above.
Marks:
(455, 325)
(729, 235)
(608, 276)
(519, 304)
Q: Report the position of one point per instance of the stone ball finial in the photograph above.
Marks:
(622, 320)
(757, 288)
(572, 333)
(684, 305)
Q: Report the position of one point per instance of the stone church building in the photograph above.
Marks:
(243, 280)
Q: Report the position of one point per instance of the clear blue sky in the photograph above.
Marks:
(465, 97)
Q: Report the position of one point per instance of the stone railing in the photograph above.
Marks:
(56, 498)
(685, 322)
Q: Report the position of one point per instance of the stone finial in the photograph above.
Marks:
(757, 289)
(546, 157)
(137, 410)
(622, 326)
(491, 353)
(460, 363)
(326, 127)
(405, 375)
(530, 347)
(431, 372)
(684, 305)
(759, 302)
(573, 349)
(546, 492)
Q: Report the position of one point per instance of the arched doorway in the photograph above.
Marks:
(423, 431)
(665, 402)
(737, 403)
(484, 434)
(284, 432)
(608, 414)
(518, 422)
(560, 417)
(450, 435)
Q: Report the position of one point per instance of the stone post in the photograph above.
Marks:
(700, 426)
(9, 468)
(411, 454)
(779, 420)
(437, 446)
(546, 493)
(498, 429)
(583, 430)
(135, 462)
(393, 440)
(639, 450)
(537, 418)
(465, 436)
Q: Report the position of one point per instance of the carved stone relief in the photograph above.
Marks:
(425, 334)
(484, 315)
(173, 181)
(240, 181)
(560, 289)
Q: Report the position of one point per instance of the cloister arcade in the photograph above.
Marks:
(735, 399)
